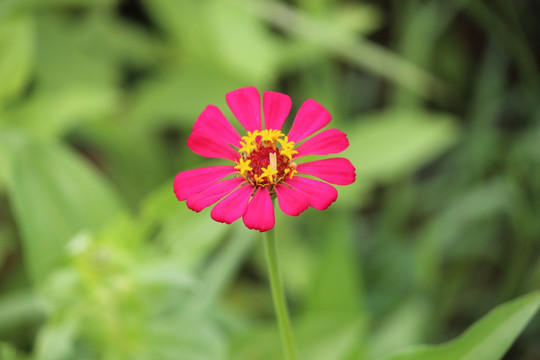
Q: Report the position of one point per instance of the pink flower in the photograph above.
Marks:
(264, 160)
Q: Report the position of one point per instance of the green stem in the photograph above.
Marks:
(278, 296)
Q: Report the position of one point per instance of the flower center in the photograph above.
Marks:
(266, 157)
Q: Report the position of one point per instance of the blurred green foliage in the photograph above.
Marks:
(440, 101)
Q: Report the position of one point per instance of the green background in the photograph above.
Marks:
(440, 101)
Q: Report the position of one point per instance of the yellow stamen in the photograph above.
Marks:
(269, 173)
(270, 135)
(247, 147)
(287, 147)
(280, 152)
(243, 166)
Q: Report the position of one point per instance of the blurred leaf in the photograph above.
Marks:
(56, 341)
(52, 113)
(221, 270)
(348, 45)
(210, 30)
(9, 353)
(181, 338)
(243, 43)
(9, 140)
(361, 18)
(403, 327)
(190, 236)
(487, 339)
(54, 195)
(446, 232)
(11, 7)
(389, 144)
(17, 308)
(335, 283)
(318, 338)
(73, 53)
(180, 94)
(16, 55)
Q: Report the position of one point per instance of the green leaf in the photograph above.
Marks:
(487, 339)
(195, 86)
(389, 144)
(243, 43)
(335, 284)
(392, 143)
(54, 195)
(63, 109)
(318, 338)
(7, 352)
(346, 44)
(16, 51)
(20, 307)
(401, 328)
(56, 341)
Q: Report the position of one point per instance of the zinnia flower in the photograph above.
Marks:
(264, 160)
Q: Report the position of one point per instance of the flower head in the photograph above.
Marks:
(265, 160)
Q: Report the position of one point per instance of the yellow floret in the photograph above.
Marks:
(249, 142)
(270, 135)
(243, 166)
(247, 147)
(269, 173)
(287, 148)
(251, 137)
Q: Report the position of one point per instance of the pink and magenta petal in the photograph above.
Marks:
(291, 201)
(245, 104)
(214, 123)
(311, 117)
(260, 211)
(276, 108)
(210, 195)
(321, 195)
(193, 181)
(337, 171)
(330, 141)
(233, 206)
(207, 145)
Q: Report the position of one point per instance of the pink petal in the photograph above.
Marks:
(337, 171)
(276, 107)
(210, 195)
(311, 117)
(193, 181)
(212, 121)
(320, 194)
(291, 201)
(260, 212)
(245, 104)
(205, 144)
(233, 206)
(330, 141)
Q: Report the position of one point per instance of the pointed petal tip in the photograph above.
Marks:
(276, 108)
(212, 121)
(245, 104)
(311, 117)
(338, 171)
(329, 141)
